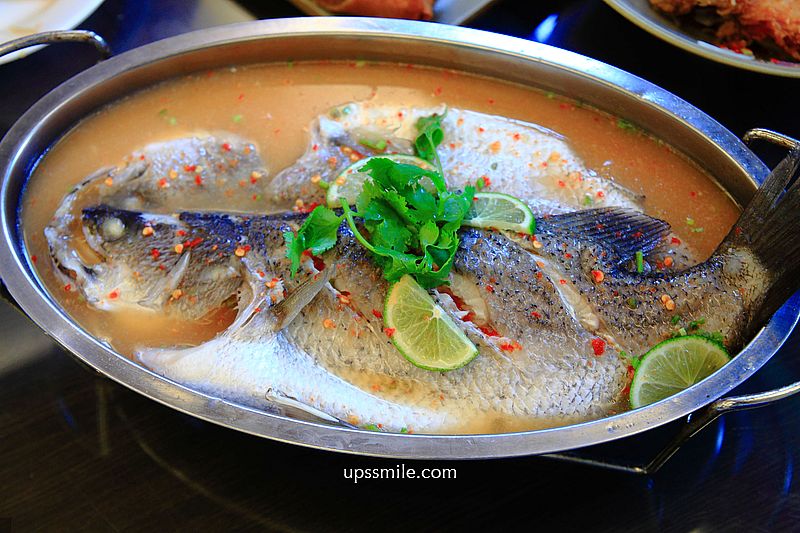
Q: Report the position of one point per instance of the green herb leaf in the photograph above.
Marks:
(317, 234)
(430, 136)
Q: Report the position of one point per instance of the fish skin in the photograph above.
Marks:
(221, 171)
(553, 378)
(723, 293)
(525, 160)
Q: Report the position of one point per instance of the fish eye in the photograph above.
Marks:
(112, 229)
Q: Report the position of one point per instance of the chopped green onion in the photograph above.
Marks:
(379, 145)
(639, 261)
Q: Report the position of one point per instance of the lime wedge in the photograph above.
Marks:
(500, 211)
(349, 182)
(674, 365)
(422, 331)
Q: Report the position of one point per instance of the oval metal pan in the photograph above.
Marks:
(590, 81)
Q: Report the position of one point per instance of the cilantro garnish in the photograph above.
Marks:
(409, 220)
(430, 136)
(317, 234)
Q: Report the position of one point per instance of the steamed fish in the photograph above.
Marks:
(524, 160)
(550, 330)
(538, 363)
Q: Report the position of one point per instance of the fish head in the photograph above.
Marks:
(137, 258)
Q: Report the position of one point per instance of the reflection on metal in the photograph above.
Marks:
(761, 134)
(51, 37)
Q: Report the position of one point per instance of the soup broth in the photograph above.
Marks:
(272, 106)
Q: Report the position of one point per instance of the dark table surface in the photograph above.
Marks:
(80, 452)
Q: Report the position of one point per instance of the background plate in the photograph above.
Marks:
(640, 13)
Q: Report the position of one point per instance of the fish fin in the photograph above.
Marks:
(624, 230)
(768, 227)
(287, 309)
(294, 408)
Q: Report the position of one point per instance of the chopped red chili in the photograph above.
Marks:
(599, 346)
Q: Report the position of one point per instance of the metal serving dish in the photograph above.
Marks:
(507, 58)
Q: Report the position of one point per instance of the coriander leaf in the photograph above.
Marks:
(430, 136)
(318, 234)
(423, 203)
(391, 175)
(453, 207)
(428, 234)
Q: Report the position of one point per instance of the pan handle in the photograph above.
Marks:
(702, 417)
(50, 37)
(59, 36)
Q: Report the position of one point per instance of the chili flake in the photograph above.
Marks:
(676, 240)
(147, 231)
(239, 252)
(155, 253)
(598, 276)
(489, 288)
(226, 147)
(198, 180)
(668, 261)
(536, 315)
(562, 281)
(377, 314)
(599, 346)
(389, 332)
(114, 294)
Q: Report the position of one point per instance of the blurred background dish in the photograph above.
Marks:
(697, 41)
(454, 12)
(19, 18)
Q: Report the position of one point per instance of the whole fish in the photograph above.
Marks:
(549, 329)
(538, 366)
(525, 160)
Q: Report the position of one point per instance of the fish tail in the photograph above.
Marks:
(770, 228)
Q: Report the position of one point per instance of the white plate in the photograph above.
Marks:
(19, 18)
(455, 12)
(640, 13)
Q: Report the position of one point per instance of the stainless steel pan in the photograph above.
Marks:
(602, 86)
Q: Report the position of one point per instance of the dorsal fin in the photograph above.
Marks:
(624, 230)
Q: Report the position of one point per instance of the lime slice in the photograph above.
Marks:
(674, 365)
(422, 331)
(348, 184)
(500, 211)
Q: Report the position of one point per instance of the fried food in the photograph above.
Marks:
(404, 9)
(772, 23)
